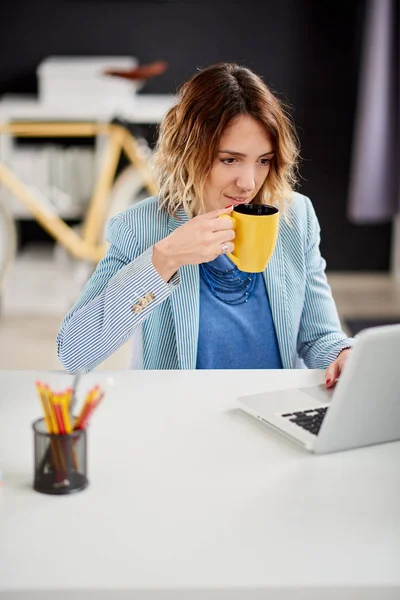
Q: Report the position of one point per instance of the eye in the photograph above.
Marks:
(228, 161)
(265, 162)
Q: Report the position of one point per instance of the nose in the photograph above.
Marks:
(246, 180)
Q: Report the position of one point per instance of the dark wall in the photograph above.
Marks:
(307, 51)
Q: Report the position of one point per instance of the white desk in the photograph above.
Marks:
(190, 498)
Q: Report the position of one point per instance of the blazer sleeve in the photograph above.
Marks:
(122, 292)
(320, 338)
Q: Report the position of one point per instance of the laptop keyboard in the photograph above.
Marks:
(311, 419)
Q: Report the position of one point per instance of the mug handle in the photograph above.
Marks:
(233, 258)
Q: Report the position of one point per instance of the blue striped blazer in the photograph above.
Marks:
(165, 332)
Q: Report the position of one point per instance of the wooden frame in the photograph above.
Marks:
(89, 246)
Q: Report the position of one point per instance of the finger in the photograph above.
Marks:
(221, 224)
(224, 236)
(229, 248)
(332, 373)
(214, 214)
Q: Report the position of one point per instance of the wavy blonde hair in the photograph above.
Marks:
(190, 134)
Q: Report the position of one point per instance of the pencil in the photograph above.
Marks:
(85, 406)
(85, 419)
(45, 405)
(65, 400)
(45, 397)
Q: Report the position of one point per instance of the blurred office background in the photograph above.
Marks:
(337, 67)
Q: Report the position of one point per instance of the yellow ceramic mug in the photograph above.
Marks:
(256, 227)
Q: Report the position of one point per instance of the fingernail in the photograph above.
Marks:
(328, 381)
(229, 205)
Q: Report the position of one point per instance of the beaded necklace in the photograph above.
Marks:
(231, 286)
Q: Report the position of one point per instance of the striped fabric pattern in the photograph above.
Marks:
(304, 313)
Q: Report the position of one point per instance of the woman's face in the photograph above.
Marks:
(241, 165)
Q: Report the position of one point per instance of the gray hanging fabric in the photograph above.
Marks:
(375, 169)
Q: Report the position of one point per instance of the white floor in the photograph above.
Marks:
(42, 286)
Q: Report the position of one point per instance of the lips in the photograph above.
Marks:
(237, 201)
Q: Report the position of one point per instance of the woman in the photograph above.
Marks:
(166, 281)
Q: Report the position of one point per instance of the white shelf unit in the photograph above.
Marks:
(49, 166)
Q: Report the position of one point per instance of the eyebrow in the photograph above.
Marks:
(271, 152)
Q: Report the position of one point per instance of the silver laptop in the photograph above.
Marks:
(362, 409)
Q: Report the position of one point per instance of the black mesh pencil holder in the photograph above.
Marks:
(60, 461)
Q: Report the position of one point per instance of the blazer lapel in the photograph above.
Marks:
(185, 305)
(275, 280)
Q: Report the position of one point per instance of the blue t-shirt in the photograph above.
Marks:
(241, 336)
